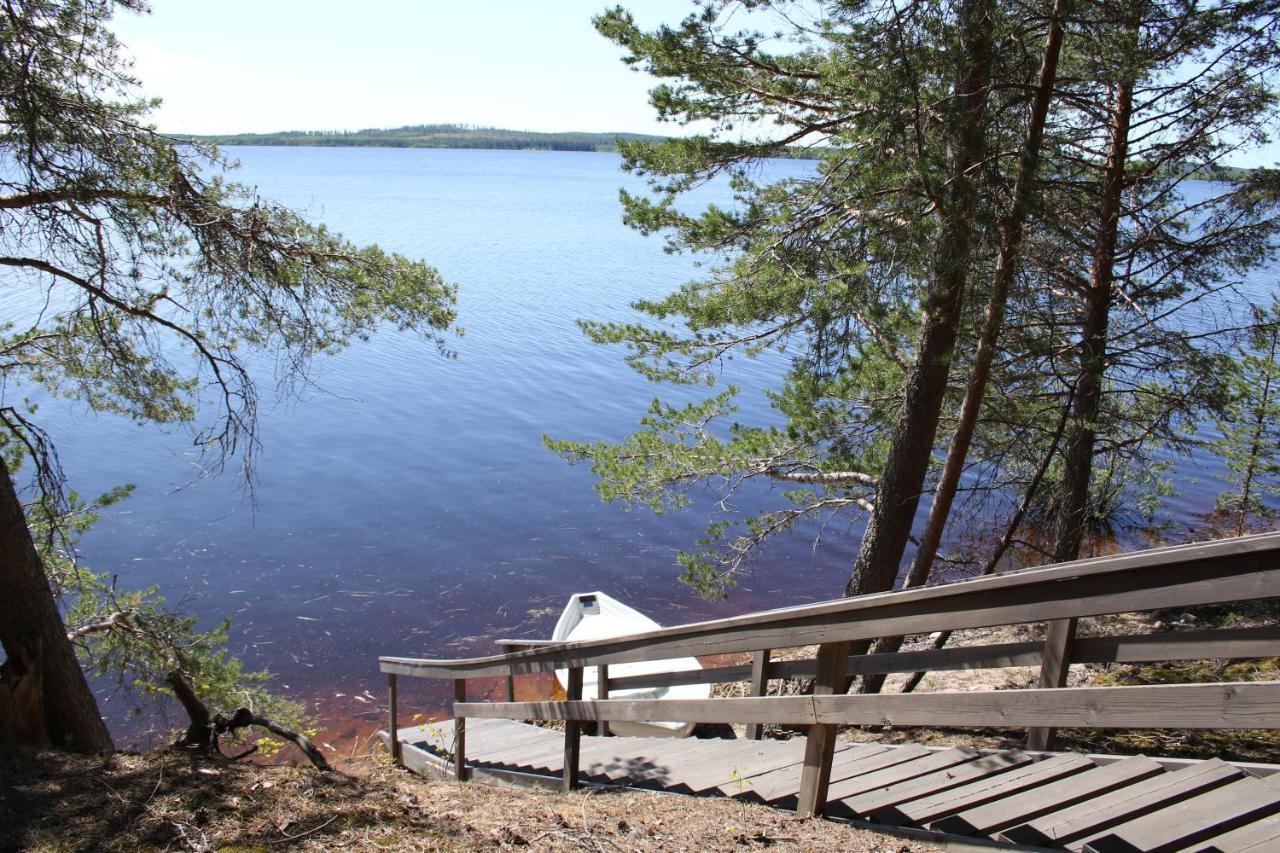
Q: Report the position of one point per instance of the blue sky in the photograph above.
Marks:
(266, 65)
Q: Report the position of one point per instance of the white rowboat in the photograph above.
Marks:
(594, 616)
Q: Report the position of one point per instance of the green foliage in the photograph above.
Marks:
(141, 282)
(133, 636)
(1250, 425)
(142, 277)
(829, 269)
(826, 268)
(149, 640)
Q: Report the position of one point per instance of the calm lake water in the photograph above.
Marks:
(406, 504)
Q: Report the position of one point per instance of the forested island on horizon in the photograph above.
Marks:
(496, 138)
(447, 136)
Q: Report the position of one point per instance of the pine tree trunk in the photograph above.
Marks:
(898, 495)
(1078, 455)
(44, 698)
(1002, 280)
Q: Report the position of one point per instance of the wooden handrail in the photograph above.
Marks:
(1236, 643)
(1185, 575)
(1244, 568)
(1226, 705)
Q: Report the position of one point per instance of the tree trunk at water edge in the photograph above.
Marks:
(44, 698)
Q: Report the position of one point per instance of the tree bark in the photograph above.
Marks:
(44, 698)
(1073, 509)
(898, 495)
(1006, 265)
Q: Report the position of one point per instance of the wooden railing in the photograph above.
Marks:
(1228, 570)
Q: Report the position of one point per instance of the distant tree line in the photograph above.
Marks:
(432, 136)
(450, 136)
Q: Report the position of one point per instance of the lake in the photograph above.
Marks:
(405, 504)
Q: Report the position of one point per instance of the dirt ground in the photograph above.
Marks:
(164, 801)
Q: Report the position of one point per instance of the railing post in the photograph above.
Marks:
(572, 732)
(511, 679)
(393, 725)
(602, 692)
(820, 742)
(1054, 667)
(759, 687)
(460, 732)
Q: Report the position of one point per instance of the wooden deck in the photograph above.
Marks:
(1033, 800)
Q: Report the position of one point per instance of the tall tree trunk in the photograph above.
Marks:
(1077, 457)
(898, 495)
(44, 698)
(1006, 265)
(1073, 510)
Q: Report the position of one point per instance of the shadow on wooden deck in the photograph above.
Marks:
(954, 797)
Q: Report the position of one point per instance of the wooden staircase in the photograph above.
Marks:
(1033, 797)
(1028, 800)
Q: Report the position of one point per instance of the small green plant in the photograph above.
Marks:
(1250, 426)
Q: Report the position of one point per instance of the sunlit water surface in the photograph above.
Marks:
(405, 504)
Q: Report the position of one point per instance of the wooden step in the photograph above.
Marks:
(1020, 808)
(928, 761)
(1086, 819)
(1190, 820)
(873, 802)
(923, 810)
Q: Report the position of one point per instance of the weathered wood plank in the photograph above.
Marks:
(1262, 834)
(436, 733)
(1212, 644)
(929, 808)
(572, 731)
(820, 742)
(753, 758)
(550, 753)
(459, 730)
(603, 687)
(1088, 818)
(483, 745)
(1009, 811)
(1190, 820)
(874, 802)
(922, 764)
(1134, 648)
(494, 749)
(1053, 673)
(421, 761)
(1220, 705)
(787, 754)
(625, 761)
(510, 680)
(535, 753)
(759, 687)
(702, 767)
(393, 725)
(1204, 573)
(782, 784)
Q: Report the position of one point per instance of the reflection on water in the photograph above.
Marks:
(405, 504)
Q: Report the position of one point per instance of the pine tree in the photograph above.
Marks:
(1250, 427)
